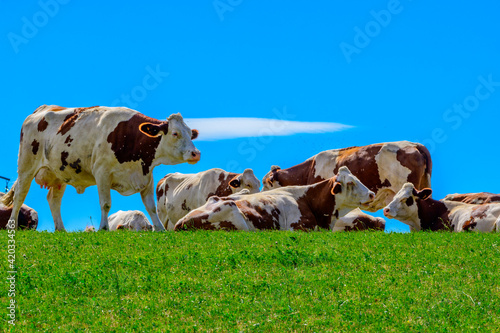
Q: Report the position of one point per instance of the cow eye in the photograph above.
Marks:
(175, 134)
(409, 201)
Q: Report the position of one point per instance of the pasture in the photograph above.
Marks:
(263, 281)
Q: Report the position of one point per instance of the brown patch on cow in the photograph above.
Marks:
(433, 215)
(130, 145)
(160, 191)
(365, 223)
(56, 108)
(317, 206)
(42, 125)
(362, 164)
(223, 189)
(64, 163)
(34, 146)
(227, 225)
(70, 120)
(68, 140)
(259, 216)
(197, 219)
(184, 206)
(76, 165)
(478, 213)
(414, 159)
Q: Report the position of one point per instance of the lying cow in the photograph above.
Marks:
(111, 147)
(27, 217)
(131, 220)
(178, 193)
(356, 220)
(288, 208)
(473, 198)
(416, 209)
(383, 168)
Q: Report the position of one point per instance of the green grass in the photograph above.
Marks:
(263, 281)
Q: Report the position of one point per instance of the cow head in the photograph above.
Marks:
(245, 180)
(403, 206)
(177, 142)
(270, 180)
(350, 191)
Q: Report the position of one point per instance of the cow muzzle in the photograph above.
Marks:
(387, 213)
(194, 157)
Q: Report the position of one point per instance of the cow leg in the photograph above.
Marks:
(103, 189)
(148, 198)
(20, 191)
(54, 197)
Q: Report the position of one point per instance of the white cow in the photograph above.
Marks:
(130, 219)
(357, 220)
(179, 193)
(114, 148)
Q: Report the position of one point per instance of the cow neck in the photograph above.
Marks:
(433, 215)
(321, 202)
(223, 189)
(296, 175)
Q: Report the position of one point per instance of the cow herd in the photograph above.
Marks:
(117, 148)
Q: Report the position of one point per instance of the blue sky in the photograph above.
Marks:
(418, 70)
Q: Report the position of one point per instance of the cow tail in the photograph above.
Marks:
(8, 198)
(426, 179)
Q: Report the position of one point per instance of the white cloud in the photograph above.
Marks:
(212, 129)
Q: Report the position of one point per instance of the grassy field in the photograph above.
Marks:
(265, 281)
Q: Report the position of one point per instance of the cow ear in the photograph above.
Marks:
(194, 134)
(150, 129)
(337, 188)
(235, 183)
(120, 227)
(424, 194)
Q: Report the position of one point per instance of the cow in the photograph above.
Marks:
(115, 148)
(27, 217)
(356, 220)
(178, 193)
(473, 198)
(416, 209)
(289, 208)
(131, 220)
(382, 167)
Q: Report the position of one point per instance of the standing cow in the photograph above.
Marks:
(289, 208)
(383, 168)
(178, 193)
(416, 209)
(27, 217)
(114, 148)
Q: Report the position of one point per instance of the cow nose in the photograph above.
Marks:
(195, 157)
(386, 211)
(372, 195)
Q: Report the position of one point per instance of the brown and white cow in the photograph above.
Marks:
(27, 217)
(111, 147)
(130, 219)
(178, 193)
(473, 198)
(383, 168)
(416, 209)
(287, 208)
(356, 220)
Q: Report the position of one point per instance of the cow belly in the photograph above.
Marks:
(48, 178)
